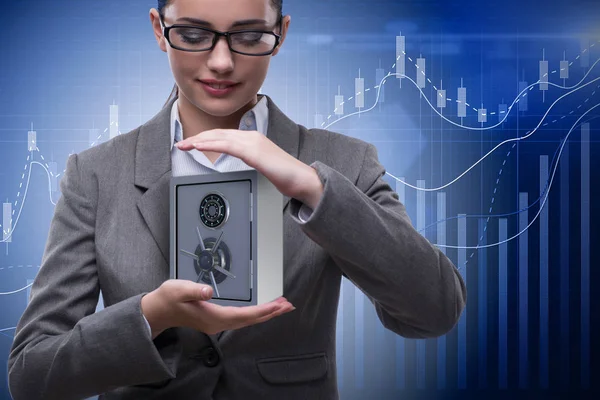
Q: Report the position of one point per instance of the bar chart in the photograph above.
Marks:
(455, 355)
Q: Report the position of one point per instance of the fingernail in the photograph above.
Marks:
(205, 292)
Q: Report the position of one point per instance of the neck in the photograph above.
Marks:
(195, 120)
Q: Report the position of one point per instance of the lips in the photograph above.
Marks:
(218, 89)
(219, 84)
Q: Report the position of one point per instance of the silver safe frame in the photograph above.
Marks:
(263, 203)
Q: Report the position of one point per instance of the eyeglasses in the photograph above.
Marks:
(250, 42)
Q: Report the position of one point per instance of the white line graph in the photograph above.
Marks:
(517, 98)
(496, 147)
(572, 89)
(543, 202)
(9, 234)
(15, 291)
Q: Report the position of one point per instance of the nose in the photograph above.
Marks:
(220, 58)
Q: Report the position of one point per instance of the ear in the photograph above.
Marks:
(285, 24)
(157, 29)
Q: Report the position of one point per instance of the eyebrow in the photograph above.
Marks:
(236, 23)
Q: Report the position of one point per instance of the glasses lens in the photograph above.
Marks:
(253, 42)
(190, 38)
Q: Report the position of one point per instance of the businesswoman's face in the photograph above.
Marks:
(190, 69)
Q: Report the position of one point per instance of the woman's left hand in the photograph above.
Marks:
(290, 176)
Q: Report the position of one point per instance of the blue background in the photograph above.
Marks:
(65, 62)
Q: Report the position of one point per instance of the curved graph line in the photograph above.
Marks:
(49, 181)
(497, 146)
(25, 197)
(15, 291)
(541, 205)
(7, 329)
(452, 122)
(574, 89)
(546, 188)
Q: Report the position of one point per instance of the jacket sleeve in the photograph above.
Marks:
(416, 290)
(62, 349)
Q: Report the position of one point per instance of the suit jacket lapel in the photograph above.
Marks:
(153, 166)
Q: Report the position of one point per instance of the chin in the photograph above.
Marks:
(219, 107)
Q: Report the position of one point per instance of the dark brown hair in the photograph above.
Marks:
(277, 5)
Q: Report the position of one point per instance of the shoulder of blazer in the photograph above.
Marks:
(114, 154)
(343, 153)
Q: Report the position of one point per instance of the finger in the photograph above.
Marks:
(280, 299)
(222, 146)
(193, 144)
(188, 143)
(191, 291)
(234, 316)
(282, 310)
(212, 144)
(245, 315)
(226, 135)
(273, 309)
(212, 134)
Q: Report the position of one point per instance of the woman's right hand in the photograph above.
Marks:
(180, 302)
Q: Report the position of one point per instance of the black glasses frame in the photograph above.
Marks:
(218, 35)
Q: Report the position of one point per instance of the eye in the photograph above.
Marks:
(248, 37)
(194, 36)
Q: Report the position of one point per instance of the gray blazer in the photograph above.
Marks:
(110, 231)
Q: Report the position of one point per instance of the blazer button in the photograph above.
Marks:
(211, 357)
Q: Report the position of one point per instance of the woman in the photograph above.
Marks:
(158, 337)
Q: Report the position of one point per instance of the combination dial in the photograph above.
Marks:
(214, 210)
